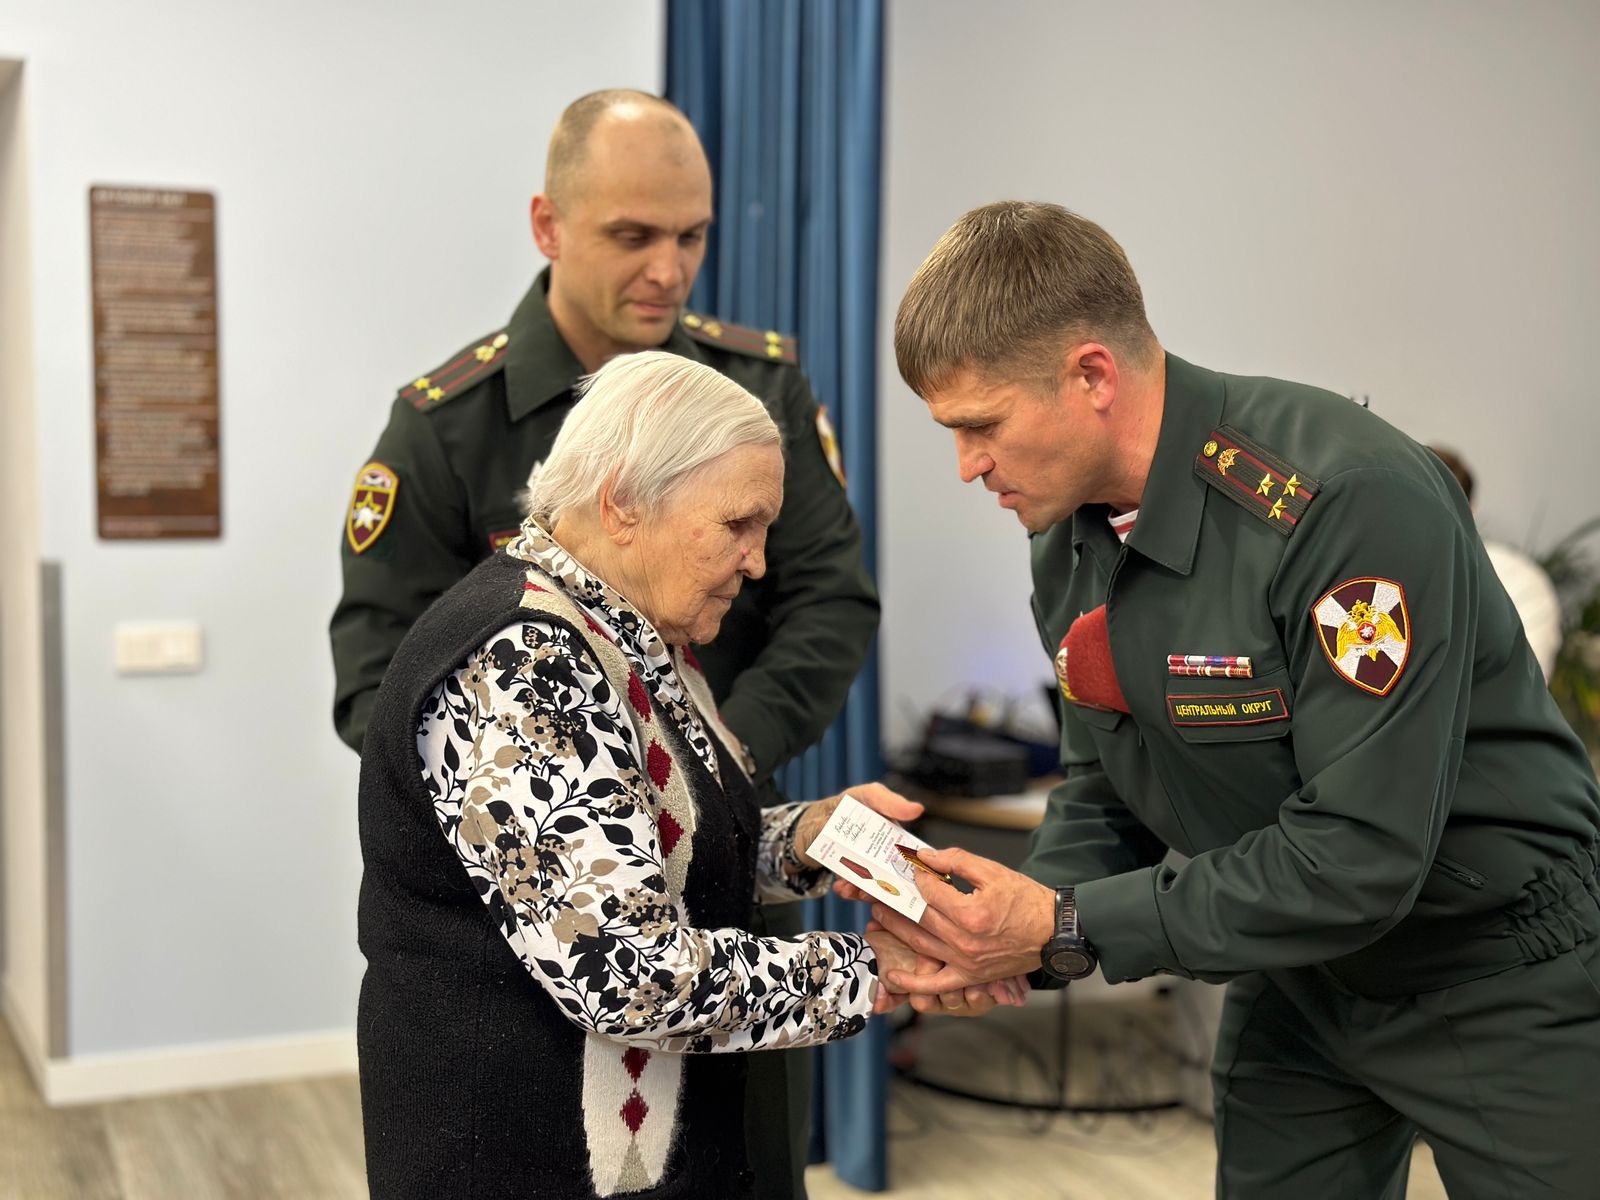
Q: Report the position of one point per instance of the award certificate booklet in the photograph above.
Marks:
(861, 846)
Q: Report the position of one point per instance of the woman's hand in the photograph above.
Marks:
(975, 1001)
(874, 795)
(893, 955)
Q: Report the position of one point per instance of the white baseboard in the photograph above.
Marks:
(91, 1078)
(26, 1037)
(99, 1077)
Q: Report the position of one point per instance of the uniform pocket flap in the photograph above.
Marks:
(1100, 718)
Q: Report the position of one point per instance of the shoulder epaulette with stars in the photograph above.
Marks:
(1255, 478)
(476, 361)
(741, 339)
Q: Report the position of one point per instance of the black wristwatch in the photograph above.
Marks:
(1068, 955)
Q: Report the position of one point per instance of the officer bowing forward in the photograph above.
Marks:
(1283, 654)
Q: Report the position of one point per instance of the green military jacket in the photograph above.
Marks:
(442, 492)
(1391, 792)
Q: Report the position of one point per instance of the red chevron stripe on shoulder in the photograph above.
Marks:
(1255, 478)
(476, 361)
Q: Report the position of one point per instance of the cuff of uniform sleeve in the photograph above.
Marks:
(759, 740)
(1122, 921)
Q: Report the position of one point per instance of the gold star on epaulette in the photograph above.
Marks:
(472, 365)
(1225, 447)
(741, 339)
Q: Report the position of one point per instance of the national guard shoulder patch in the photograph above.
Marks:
(1365, 631)
(473, 363)
(741, 339)
(371, 505)
(830, 445)
(1255, 479)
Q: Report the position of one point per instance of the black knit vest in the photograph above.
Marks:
(471, 1076)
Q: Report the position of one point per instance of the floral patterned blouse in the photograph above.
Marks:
(539, 787)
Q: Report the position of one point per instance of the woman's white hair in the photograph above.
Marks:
(646, 421)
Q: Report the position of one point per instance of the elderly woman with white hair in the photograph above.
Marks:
(562, 845)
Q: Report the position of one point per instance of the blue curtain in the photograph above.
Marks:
(787, 97)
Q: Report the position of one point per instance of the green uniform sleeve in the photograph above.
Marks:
(417, 557)
(1352, 846)
(1088, 833)
(822, 608)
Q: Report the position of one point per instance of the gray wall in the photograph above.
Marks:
(1396, 200)
(1392, 200)
(372, 164)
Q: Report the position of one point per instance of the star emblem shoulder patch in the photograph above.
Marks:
(1365, 631)
(371, 505)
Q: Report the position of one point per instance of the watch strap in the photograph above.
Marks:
(1066, 913)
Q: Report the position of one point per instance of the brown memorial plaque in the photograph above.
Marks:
(153, 266)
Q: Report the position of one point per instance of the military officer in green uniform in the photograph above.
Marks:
(623, 221)
(1289, 660)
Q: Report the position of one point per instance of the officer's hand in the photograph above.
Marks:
(994, 933)
(874, 795)
(968, 1002)
(972, 1001)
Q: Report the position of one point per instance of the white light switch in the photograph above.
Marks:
(158, 648)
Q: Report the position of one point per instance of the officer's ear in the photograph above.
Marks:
(1090, 370)
(546, 226)
(620, 521)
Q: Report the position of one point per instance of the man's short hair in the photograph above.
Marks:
(646, 422)
(569, 142)
(1006, 287)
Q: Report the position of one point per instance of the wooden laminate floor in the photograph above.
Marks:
(943, 1148)
(283, 1141)
(302, 1141)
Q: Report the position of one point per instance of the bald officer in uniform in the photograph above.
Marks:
(623, 221)
(1288, 659)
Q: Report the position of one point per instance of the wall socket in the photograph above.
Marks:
(158, 648)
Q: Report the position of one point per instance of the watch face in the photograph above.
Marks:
(1070, 964)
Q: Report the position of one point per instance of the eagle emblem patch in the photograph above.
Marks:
(1365, 632)
(371, 505)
